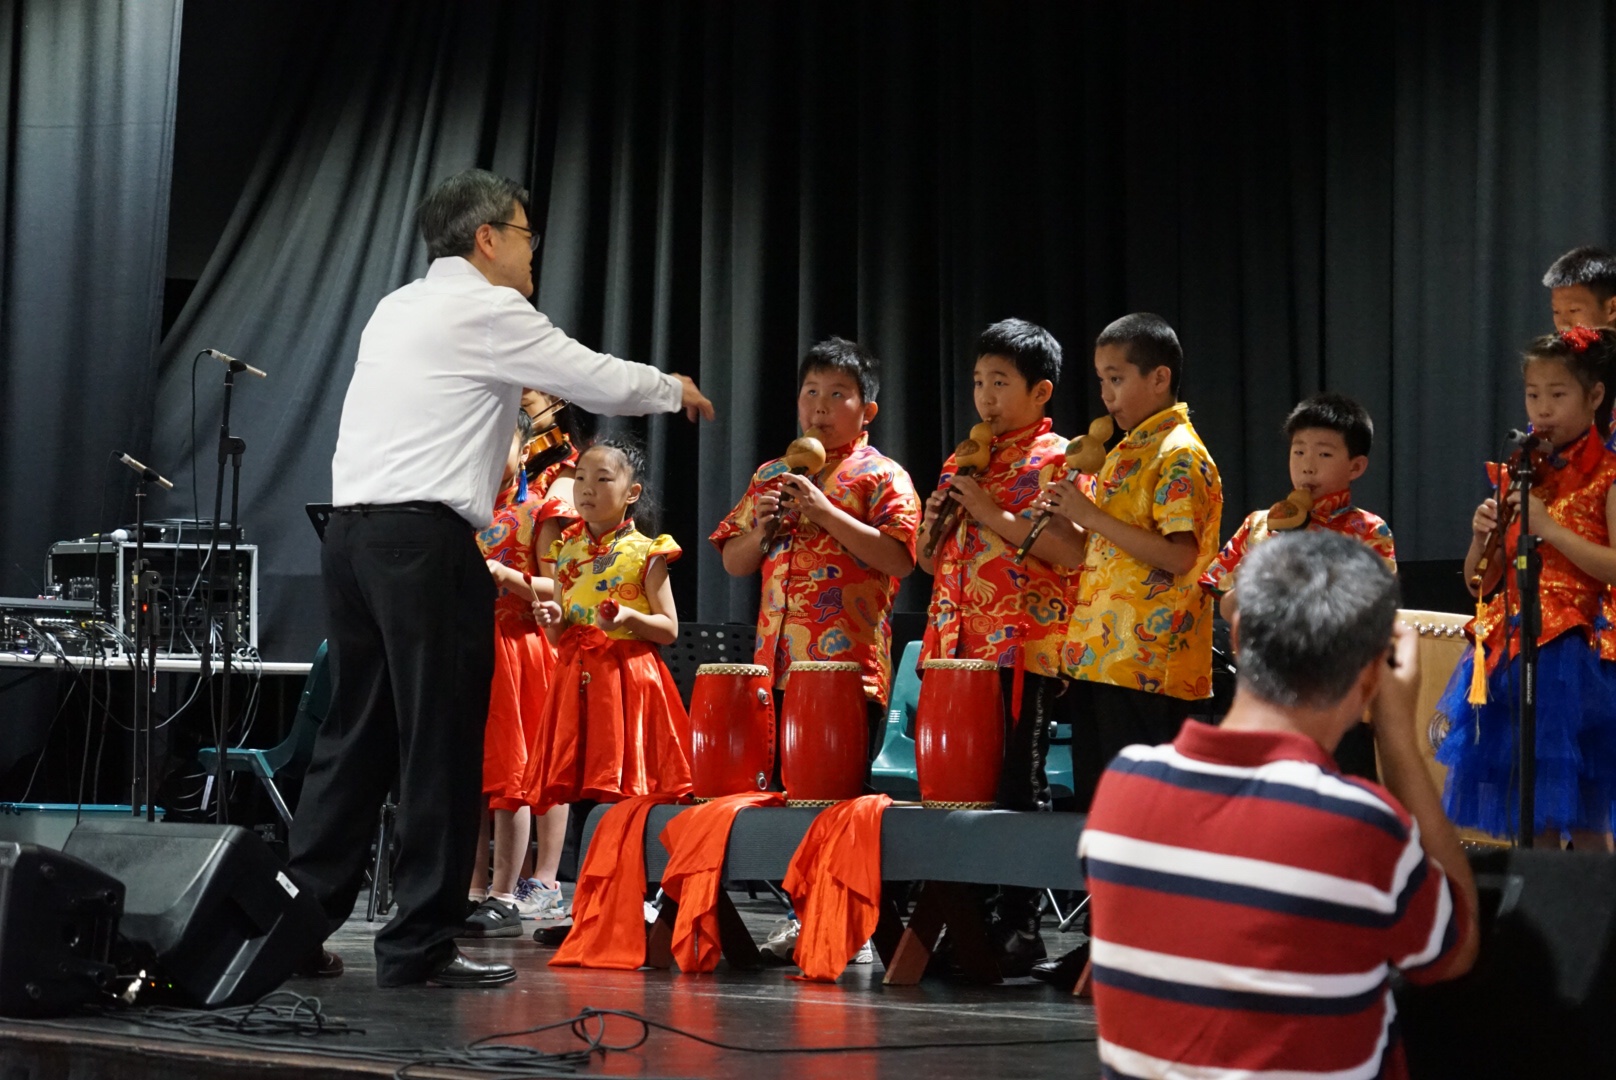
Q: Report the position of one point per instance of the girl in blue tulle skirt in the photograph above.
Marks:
(1573, 510)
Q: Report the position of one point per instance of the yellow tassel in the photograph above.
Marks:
(1478, 673)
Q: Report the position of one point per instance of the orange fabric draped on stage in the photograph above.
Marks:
(835, 882)
(608, 908)
(697, 841)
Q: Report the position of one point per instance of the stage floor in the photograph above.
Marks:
(759, 1009)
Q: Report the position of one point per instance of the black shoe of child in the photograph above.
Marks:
(493, 918)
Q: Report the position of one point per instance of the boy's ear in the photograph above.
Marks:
(1610, 311)
(1357, 466)
(1043, 391)
(1161, 379)
(870, 409)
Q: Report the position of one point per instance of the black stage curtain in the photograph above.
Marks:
(86, 132)
(1357, 197)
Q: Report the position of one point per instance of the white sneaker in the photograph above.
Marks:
(535, 900)
(782, 943)
(865, 955)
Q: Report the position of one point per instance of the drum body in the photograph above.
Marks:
(824, 733)
(959, 734)
(731, 730)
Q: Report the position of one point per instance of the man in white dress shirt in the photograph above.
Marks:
(423, 438)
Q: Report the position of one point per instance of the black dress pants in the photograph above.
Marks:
(411, 609)
(1106, 718)
(1024, 780)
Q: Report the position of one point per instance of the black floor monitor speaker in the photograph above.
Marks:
(209, 907)
(58, 920)
(1540, 999)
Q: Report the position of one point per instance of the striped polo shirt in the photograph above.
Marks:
(1249, 905)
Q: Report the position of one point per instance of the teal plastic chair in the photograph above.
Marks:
(893, 772)
(291, 757)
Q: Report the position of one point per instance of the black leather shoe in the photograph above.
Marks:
(461, 972)
(319, 964)
(1018, 952)
(552, 936)
(1062, 972)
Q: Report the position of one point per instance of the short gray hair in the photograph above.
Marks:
(1314, 608)
(450, 216)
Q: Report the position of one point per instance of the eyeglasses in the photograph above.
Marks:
(532, 237)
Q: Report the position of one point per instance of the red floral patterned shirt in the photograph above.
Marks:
(1333, 512)
(509, 539)
(1573, 485)
(985, 605)
(819, 601)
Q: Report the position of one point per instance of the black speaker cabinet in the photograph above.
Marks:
(1540, 999)
(209, 907)
(58, 920)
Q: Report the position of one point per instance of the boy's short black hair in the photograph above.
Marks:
(1590, 266)
(1034, 350)
(1149, 342)
(1334, 412)
(847, 357)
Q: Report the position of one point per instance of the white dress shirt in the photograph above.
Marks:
(432, 406)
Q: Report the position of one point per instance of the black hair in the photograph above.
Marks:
(1315, 609)
(1334, 412)
(1589, 354)
(1034, 350)
(847, 357)
(450, 217)
(1589, 266)
(644, 511)
(1150, 343)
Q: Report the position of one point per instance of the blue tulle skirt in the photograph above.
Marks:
(1576, 742)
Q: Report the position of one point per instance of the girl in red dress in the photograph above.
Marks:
(526, 522)
(616, 725)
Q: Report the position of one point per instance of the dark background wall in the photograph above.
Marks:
(1357, 197)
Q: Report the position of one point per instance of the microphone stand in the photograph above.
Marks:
(1526, 572)
(230, 449)
(143, 580)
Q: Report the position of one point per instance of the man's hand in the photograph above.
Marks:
(1392, 712)
(695, 403)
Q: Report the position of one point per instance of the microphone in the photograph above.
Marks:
(239, 365)
(146, 471)
(1517, 437)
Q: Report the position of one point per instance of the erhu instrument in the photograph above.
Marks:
(1492, 545)
(971, 456)
(804, 457)
(1084, 454)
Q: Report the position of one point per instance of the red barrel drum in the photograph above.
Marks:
(731, 730)
(824, 733)
(959, 734)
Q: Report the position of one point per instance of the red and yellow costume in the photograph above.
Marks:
(985, 605)
(1576, 683)
(523, 658)
(819, 601)
(615, 723)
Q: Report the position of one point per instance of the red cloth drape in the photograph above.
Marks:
(835, 882)
(608, 908)
(697, 841)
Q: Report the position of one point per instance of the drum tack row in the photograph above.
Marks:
(824, 735)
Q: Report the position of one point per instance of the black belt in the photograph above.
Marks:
(435, 509)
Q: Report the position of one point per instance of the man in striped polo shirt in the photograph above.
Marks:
(1249, 902)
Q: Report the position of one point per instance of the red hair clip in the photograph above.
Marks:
(1580, 337)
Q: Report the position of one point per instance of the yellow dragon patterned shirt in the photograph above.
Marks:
(1133, 624)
